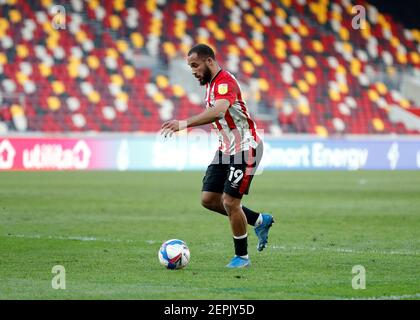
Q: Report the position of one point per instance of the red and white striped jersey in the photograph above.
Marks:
(237, 131)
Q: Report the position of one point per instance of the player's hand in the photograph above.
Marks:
(170, 127)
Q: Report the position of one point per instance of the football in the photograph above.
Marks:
(174, 254)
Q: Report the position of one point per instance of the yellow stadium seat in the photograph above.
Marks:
(310, 61)
(73, 69)
(286, 3)
(295, 46)
(178, 91)
(3, 58)
(303, 30)
(355, 67)
(232, 49)
(179, 30)
(365, 33)
(58, 87)
(21, 77)
(334, 95)
(317, 46)
(381, 87)
(93, 4)
(281, 13)
(248, 67)
(22, 51)
(46, 3)
(53, 103)
(117, 80)
(416, 34)
(162, 81)
(258, 44)
(128, 72)
(158, 98)
(258, 12)
(304, 109)
(94, 96)
(378, 124)
(16, 110)
(229, 4)
(122, 96)
(93, 62)
(44, 70)
(344, 34)
(303, 86)
(137, 40)
(401, 58)
(249, 52)
(151, 6)
(373, 95)
(15, 16)
(343, 87)
(347, 47)
(169, 49)
(202, 39)
(212, 25)
(234, 27)
(219, 35)
(310, 78)
(122, 45)
(119, 5)
(394, 41)
(294, 92)
(52, 43)
(337, 16)
(405, 103)
(191, 7)
(414, 56)
(287, 29)
(250, 19)
(341, 69)
(321, 131)
(111, 52)
(258, 60)
(115, 22)
(280, 53)
(81, 36)
(263, 84)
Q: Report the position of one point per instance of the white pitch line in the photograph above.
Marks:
(345, 250)
(78, 238)
(404, 296)
(274, 247)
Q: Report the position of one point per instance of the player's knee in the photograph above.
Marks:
(230, 203)
(207, 202)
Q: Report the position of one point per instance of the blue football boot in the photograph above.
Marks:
(262, 230)
(238, 262)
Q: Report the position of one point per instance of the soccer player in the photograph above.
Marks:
(229, 175)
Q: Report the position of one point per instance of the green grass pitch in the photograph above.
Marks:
(105, 228)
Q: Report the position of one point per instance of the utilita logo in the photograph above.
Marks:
(7, 155)
(54, 156)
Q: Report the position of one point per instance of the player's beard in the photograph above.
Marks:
(206, 77)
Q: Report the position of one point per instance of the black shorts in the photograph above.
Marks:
(232, 174)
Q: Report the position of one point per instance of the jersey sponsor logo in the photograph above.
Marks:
(222, 88)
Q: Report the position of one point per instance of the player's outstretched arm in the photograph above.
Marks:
(205, 117)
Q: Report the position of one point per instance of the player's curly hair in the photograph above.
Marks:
(203, 51)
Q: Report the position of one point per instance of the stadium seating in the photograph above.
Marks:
(311, 70)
